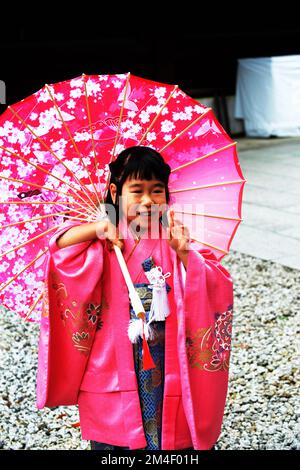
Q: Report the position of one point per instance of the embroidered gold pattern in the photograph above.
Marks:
(79, 319)
(209, 348)
(79, 340)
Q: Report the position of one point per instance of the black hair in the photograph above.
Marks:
(137, 162)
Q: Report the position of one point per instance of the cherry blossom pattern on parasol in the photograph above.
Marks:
(55, 147)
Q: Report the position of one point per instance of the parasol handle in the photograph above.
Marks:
(134, 296)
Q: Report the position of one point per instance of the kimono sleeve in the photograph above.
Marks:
(204, 343)
(204, 271)
(71, 306)
(208, 301)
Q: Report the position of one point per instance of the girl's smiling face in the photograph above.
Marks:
(143, 202)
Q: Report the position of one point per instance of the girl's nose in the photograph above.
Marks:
(146, 200)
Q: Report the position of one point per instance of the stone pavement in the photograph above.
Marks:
(271, 200)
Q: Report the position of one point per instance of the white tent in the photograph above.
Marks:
(268, 96)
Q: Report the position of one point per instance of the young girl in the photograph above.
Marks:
(164, 392)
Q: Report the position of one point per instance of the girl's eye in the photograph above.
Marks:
(158, 191)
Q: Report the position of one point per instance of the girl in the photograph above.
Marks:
(167, 390)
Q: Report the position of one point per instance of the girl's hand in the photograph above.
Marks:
(112, 235)
(90, 231)
(178, 236)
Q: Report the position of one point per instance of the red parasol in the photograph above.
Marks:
(55, 147)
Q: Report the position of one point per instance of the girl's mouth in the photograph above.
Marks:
(144, 214)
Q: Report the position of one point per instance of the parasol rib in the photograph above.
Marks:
(186, 129)
(92, 136)
(73, 142)
(158, 113)
(216, 216)
(121, 115)
(208, 244)
(204, 156)
(94, 214)
(31, 240)
(207, 186)
(43, 187)
(33, 306)
(118, 131)
(76, 191)
(54, 214)
(138, 113)
(45, 145)
(59, 203)
(2, 287)
(56, 203)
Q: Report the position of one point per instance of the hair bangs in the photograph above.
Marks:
(145, 168)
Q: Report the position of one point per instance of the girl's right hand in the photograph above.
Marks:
(103, 229)
(112, 235)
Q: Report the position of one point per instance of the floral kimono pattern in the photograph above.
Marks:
(85, 323)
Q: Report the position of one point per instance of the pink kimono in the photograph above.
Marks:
(95, 369)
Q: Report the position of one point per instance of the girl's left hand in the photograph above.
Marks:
(178, 235)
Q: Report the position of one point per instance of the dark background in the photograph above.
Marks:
(197, 51)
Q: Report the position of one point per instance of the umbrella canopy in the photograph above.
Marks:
(55, 147)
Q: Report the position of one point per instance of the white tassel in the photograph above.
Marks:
(135, 329)
(159, 309)
(148, 331)
(160, 303)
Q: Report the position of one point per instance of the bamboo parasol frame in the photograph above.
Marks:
(85, 209)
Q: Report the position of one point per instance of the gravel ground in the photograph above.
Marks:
(262, 409)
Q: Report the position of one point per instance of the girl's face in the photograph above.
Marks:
(141, 201)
